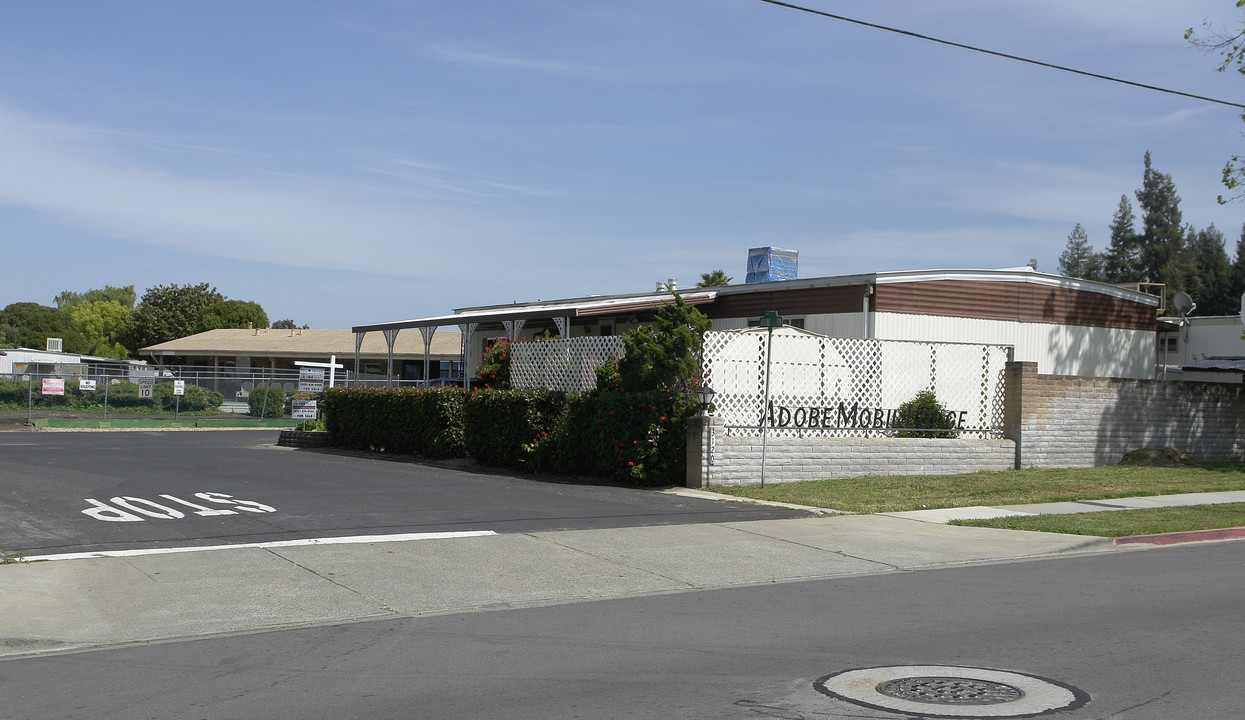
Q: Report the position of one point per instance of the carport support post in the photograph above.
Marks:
(391, 336)
(427, 332)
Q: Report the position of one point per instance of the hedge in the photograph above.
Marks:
(639, 438)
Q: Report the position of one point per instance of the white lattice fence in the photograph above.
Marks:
(569, 364)
(848, 387)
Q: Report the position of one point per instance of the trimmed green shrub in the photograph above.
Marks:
(501, 422)
(413, 421)
(195, 400)
(924, 417)
(267, 401)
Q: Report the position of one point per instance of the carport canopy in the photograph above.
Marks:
(512, 318)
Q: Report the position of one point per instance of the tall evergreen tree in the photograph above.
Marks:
(1236, 275)
(1162, 257)
(1211, 284)
(1120, 260)
(1078, 259)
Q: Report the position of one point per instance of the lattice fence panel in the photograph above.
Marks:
(848, 387)
(567, 364)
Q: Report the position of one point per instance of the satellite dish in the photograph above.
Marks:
(1183, 303)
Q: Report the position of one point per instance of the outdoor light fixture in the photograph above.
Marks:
(705, 393)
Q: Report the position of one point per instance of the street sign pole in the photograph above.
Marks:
(769, 320)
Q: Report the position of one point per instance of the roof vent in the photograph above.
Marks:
(55, 344)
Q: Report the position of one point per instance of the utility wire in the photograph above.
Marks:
(1002, 55)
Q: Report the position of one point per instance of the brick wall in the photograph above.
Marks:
(737, 460)
(1063, 421)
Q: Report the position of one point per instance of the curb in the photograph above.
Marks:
(1173, 538)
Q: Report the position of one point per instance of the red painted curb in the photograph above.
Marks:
(1179, 537)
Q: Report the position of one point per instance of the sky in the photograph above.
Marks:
(353, 163)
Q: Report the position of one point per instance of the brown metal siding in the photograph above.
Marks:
(1022, 302)
(798, 302)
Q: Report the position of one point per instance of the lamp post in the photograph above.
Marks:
(706, 393)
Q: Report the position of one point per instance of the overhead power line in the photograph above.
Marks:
(1006, 56)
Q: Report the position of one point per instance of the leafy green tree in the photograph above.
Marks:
(665, 355)
(232, 314)
(1120, 260)
(1230, 46)
(286, 324)
(1078, 259)
(9, 335)
(717, 278)
(168, 312)
(124, 296)
(31, 324)
(100, 322)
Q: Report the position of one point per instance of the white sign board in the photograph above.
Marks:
(179, 387)
(146, 388)
(53, 386)
(86, 384)
(304, 410)
(311, 379)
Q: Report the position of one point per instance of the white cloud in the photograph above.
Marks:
(299, 221)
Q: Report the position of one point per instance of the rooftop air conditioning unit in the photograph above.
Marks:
(54, 344)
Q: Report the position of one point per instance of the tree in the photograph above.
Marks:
(665, 355)
(124, 296)
(1231, 50)
(1120, 261)
(232, 314)
(168, 312)
(286, 324)
(1236, 274)
(717, 278)
(1162, 257)
(31, 324)
(1211, 284)
(1078, 259)
(100, 323)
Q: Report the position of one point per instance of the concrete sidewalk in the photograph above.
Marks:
(66, 605)
(979, 512)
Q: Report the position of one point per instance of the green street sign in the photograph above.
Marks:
(771, 319)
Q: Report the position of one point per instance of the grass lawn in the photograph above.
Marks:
(1120, 523)
(1007, 487)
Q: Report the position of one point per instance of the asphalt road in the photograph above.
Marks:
(1149, 635)
(92, 491)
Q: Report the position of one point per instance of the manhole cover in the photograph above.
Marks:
(948, 691)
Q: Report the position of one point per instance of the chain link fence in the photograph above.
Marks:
(175, 391)
(168, 393)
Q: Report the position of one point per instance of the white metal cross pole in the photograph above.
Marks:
(332, 365)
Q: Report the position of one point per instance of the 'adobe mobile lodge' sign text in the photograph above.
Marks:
(857, 417)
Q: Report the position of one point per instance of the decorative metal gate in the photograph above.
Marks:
(849, 387)
(567, 364)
